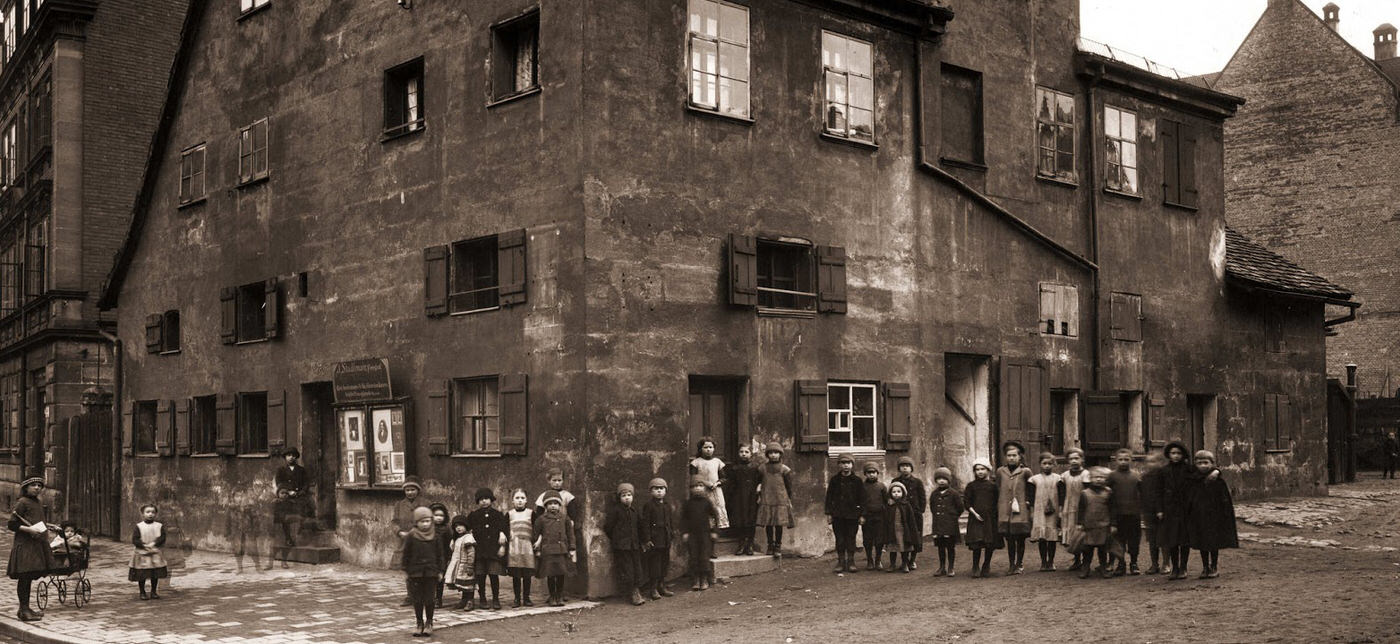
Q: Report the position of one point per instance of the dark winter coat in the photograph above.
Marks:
(1175, 495)
(556, 534)
(293, 479)
(1150, 493)
(698, 516)
(623, 525)
(444, 541)
(845, 497)
(658, 522)
(1127, 493)
(487, 526)
(422, 558)
(30, 556)
(873, 502)
(1211, 515)
(917, 495)
(981, 495)
(901, 521)
(1095, 515)
(945, 506)
(741, 493)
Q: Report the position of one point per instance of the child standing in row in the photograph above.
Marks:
(1095, 518)
(1045, 512)
(872, 529)
(520, 560)
(1013, 505)
(901, 529)
(1150, 489)
(1211, 524)
(1072, 483)
(981, 499)
(657, 525)
(554, 541)
(147, 563)
(489, 528)
(1176, 482)
(945, 505)
(461, 567)
(1127, 510)
(623, 526)
(698, 519)
(915, 491)
(741, 498)
(423, 565)
(443, 534)
(707, 467)
(774, 501)
(844, 498)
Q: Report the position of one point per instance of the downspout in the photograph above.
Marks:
(1095, 351)
(116, 498)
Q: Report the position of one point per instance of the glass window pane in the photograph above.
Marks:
(733, 61)
(1065, 165)
(838, 397)
(1047, 135)
(833, 420)
(1064, 108)
(864, 400)
(833, 51)
(1129, 154)
(1111, 152)
(703, 55)
(839, 439)
(1046, 164)
(863, 432)
(1130, 179)
(836, 117)
(862, 124)
(1129, 129)
(702, 89)
(734, 24)
(1110, 121)
(704, 17)
(1044, 110)
(836, 87)
(858, 58)
(734, 96)
(1065, 139)
(862, 93)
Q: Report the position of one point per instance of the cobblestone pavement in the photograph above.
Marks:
(216, 598)
(1358, 516)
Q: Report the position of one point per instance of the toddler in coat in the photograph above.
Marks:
(1095, 519)
(872, 528)
(945, 505)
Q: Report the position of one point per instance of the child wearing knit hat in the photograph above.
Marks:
(901, 531)
(555, 545)
(945, 505)
(658, 523)
(981, 499)
(699, 519)
(915, 487)
(423, 564)
(872, 528)
(489, 528)
(1210, 523)
(623, 526)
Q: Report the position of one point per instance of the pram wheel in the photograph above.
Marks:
(62, 591)
(43, 595)
(82, 593)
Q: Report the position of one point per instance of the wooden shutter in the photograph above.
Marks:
(743, 270)
(515, 417)
(276, 422)
(1284, 437)
(438, 420)
(155, 336)
(1049, 308)
(1187, 173)
(897, 416)
(435, 280)
(182, 427)
(228, 307)
(1103, 422)
(810, 397)
(510, 262)
(831, 279)
(1125, 317)
(225, 425)
(165, 425)
(1024, 405)
(1171, 169)
(128, 429)
(1068, 310)
(1156, 421)
(272, 308)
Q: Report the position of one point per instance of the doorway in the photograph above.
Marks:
(714, 413)
(967, 410)
(1201, 415)
(320, 449)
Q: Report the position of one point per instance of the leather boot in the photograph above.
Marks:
(637, 598)
(664, 591)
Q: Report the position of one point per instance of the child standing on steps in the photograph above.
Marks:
(489, 529)
(698, 518)
(147, 563)
(741, 498)
(707, 467)
(914, 488)
(520, 557)
(1045, 512)
(872, 530)
(1211, 522)
(945, 505)
(901, 531)
(461, 567)
(554, 541)
(774, 502)
(423, 565)
(981, 499)
(844, 496)
(1014, 505)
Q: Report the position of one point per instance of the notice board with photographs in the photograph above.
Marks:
(375, 444)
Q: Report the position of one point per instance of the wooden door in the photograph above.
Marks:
(92, 478)
(714, 412)
(1025, 407)
(320, 448)
(1104, 425)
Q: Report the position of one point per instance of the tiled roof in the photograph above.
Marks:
(1391, 68)
(1249, 262)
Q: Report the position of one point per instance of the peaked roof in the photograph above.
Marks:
(1392, 75)
(1259, 267)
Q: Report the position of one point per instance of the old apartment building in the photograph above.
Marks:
(1311, 161)
(472, 242)
(81, 82)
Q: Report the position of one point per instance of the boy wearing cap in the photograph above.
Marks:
(1210, 520)
(623, 525)
(845, 498)
(657, 525)
(403, 522)
(698, 519)
(872, 527)
(917, 497)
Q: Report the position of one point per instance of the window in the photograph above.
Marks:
(962, 115)
(9, 150)
(163, 332)
(719, 57)
(786, 276)
(36, 252)
(11, 276)
(248, 6)
(515, 48)
(475, 275)
(1120, 150)
(1059, 310)
(250, 312)
(144, 427)
(252, 152)
(252, 423)
(1054, 117)
(1125, 317)
(251, 301)
(476, 428)
(41, 110)
(403, 99)
(1278, 422)
(850, 413)
(192, 174)
(11, 33)
(204, 425)
(850, 87)
(1178, 164)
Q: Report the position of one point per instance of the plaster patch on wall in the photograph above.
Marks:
(1217, 253)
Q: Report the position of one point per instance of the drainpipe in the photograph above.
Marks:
(116, 498)
(1093, 180)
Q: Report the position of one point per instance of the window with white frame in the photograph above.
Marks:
(718, 46)
(1054, 116)
(476, 428)
(1059, 309)
(850, 87)
(403, 98)
(252, 152)
(850, 412)
(246, 6)
(1120, 150)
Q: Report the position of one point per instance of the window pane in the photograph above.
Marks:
(836, 88)
(1065, 108)
(734, 24)
(838, 397)
(704, 55)
(734, 96)
(1065, 164)
(1044, 101)
(1046, 164)
(836, 117)
(862, 124)
(702, 89)
(859, 58)
(863, 432)
(1110, 121)
(1065, 139)
(1130, 179)
(733, 61)
(863, 399)
(1047, 135)
(862, 93)
(1129, 154)
(704, 17)
(1129, 128)
(833, 51)
(1111, 151)
(839, 439)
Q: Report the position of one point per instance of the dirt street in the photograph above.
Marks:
(1332, 576)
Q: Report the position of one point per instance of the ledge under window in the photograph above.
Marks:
(471, 311)
(510, 98)
(256, 455)
(169, 353)
(1181, 206)
(1122, 194)
(477, 455)
(786, 313)
(958, 163)
(404, 130)
(193, 202)
(252, 341)
(205, 455)
(706, 111)
(1058, 181)
(255, 10)
(262, 178)
(837, 138)
(853, 452)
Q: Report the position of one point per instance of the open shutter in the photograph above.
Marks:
(165, 426)
(154, 336)
(897, 411)
(228, 319)
(1171, 169)
(225, 425)
(743, 270)
(1187, 156)
(1103, 422)
(276, 422)
(182, 427)
(515, 417)
(435, 280)
(1285, 423)
(831, 279)
(510, 260)
(438, 420)
(272, 308)
(810, 396)
(127, 428)
(1049, 308)
(1069, 311)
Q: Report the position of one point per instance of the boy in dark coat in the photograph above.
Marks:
(872, 527)
(1211, 515)
(698, 519)
(917, 497)
(423, 564)
(489, 528)
(1150, 492)
(657, 525)
(901, 529)
(1095, 519)
(741, 498)
(296, 481)
(945, 505)
(845, 498)
(403, 521)
(623, 525)
(1127, 509)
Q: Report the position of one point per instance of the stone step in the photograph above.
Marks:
(310, 554)
(729, 566)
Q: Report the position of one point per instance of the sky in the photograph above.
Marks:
(1199, 36)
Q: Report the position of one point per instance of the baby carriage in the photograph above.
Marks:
(69, 578)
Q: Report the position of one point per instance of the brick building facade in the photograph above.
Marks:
(584, 238)
(81, 83)
(1311, 169)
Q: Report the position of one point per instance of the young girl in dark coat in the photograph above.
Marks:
(30, 556)
(981, 499)
(423, 563)
(1175, 484)
(915, 488)
(554, 543)
(1015, 498)
(901, 527)
(945, 505)
(488, 528)
(1211, 515)
(741, 495)
(872, 507)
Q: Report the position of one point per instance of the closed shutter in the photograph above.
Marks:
(515, 417)
(897, 423)
(276, 422)
(1187, 173)
(1284, 438)
(510, 260)
(1103, 422)
(1171, 169)
(1125, 317)
(1024, 405)
(165, 426)
(272, 308)
(225, 425)
(438, 420)
(1069, 311)
(743, 270)
(182, 427)
(831, 279)
(155, 338)
(435, 280)
(1049, 308)
(127, 429)
(228, 318)
(811, 421)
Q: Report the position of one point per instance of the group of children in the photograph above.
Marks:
(1091, 512)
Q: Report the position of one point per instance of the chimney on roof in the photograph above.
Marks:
(1330, 15)
(1385, 41)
